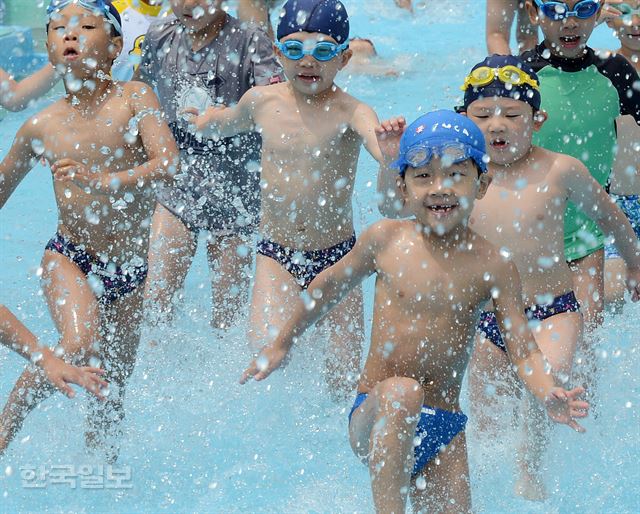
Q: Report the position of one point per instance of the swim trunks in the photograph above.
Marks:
(304, 266)
(583, 98)
(436, 429)
(217, 187)
(630, 205)
(117, 281)
(488, 324)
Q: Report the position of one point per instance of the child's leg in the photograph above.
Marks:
(121, 325)
(381, 432)
(615, 273)
(345, 326)
(75, 311)
(490, 380)
(447, 481)
(274, 292)
(588, 285)
(229, 262)
(171, 249)
(557, 338)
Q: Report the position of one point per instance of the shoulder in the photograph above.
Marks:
(615, 67)
(534, 59)
(160, 29)
(387, 232)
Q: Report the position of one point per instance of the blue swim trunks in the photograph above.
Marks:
(436, 429)
(488, 324)
(630, 205)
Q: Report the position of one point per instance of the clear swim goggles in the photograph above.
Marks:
(484, 75)
(559, 10)
(321, 51)
(99, 6)
(626, 11)
(421, 154)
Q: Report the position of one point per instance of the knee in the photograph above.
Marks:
(402, 394)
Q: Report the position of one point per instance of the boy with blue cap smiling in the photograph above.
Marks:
(312, 132)
(434, 275)
(523, 214)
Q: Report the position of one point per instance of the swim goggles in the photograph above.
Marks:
(559, 10)
(484, 75)
(322, 51)
(626, 11)
(421, 154)
(99, 6)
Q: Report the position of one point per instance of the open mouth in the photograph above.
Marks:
(70, 54)
(442, 210)
(570, 41)
(304, 77)
(498, 144)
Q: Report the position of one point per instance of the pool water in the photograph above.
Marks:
(196, 441)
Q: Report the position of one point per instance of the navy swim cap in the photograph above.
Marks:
(523, 92)
(103, 7)
(437, 131)
(327, 17)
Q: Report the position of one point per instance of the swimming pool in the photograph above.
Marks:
(198, 442)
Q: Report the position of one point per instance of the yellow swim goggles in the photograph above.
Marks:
(484, 75)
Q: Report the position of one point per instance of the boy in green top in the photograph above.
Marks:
(583, 94)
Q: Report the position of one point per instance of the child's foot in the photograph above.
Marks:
(530, 487)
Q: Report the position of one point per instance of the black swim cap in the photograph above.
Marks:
(523, 92)
(327, 17)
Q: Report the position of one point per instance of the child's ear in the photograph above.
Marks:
(532, 11)
(277, 51)
(116, 46)
(345, 57)
(538, 120)
(485, 182)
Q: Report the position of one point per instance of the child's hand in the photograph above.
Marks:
(70, 170)
(633, 283)
(405, 4)
(563, 406)
(609, 12)
(204, 121)
(268, 360)
(61, 374)
(389, 134)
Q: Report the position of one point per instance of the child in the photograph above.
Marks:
(257, 12)
(136, 17)
(500, 16)
(523, 213)
(95, 266)
(312, 132)
(16, 336)
(202, 57)
(583, 95)
(624, 184)
(365, 60)
(15, 96)
(434, 275)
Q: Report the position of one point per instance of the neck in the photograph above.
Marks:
(203, 37)
(450, 242)
(315, 99)
(86, 97)
(498, 170)
(633, 56)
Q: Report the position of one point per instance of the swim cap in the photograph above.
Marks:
(437, 131)
(523, 92)
(103, 7)
(327, 17)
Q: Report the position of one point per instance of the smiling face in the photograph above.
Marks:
(308, 75)
(441, 197)
(567, 37)
(508, 126)
(81, 41)
(627, 28)
(196, 15)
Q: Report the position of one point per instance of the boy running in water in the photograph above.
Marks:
(522, 213)
(198, 58)
(624, 184)
(434, 275)
(95, 266)
(583, 94)
(312, 133)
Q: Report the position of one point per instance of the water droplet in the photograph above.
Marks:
(322, 201)
(301, 17)
(37, 146)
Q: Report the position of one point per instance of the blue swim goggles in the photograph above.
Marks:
(559, 10)
(322, 51)
(450, 153)
(101, 7)
(627, 11)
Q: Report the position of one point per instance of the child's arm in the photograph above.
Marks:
(219, 121)
(391, 201)
(18, 162)
(16, 336)
(324, 293)
(562, 405)
(159, 145)
(500, 15)
(586, 193)
(15, 96)
(364, 123)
